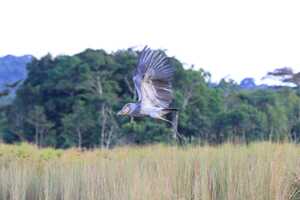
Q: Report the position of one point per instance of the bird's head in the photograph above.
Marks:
(127, 109)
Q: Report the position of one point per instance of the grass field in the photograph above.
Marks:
(259, 171)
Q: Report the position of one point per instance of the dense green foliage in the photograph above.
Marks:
(72, 101)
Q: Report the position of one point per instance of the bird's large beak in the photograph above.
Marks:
(120, 112)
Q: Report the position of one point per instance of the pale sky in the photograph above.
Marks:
(225, 37)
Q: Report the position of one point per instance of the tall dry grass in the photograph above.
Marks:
(259, 171)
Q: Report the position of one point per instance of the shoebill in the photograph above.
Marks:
(152, 81)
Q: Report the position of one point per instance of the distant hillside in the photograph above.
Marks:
(249, 83)
(13, 68)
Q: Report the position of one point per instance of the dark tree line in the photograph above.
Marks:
(72, 101)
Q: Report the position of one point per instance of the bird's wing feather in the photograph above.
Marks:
(137, 84)
(152, 79)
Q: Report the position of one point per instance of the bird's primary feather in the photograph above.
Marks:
(152, 79)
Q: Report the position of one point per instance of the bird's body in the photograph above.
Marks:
(152, 81)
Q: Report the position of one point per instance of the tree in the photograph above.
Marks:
(196, 101)
(3, 94)
(101, 88)
(78, 122)
(286, 75)
(72, 101)
(37, 118)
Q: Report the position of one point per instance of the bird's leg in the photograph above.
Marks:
(161, 118)
(131, 119)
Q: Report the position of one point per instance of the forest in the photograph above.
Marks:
(72, 101)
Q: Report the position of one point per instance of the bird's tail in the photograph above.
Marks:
(170, 109)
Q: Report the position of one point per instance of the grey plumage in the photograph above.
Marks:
(152, 81)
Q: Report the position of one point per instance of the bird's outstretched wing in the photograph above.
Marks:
(152, 78)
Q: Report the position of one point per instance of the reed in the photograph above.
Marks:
(259, 171)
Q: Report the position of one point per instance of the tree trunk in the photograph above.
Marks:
(103, 119)
(37, 135)
(79, 135)
(175, 126)
(109, 137)
(186, 100)
(103, 126)
(99, 86)
(42, 132)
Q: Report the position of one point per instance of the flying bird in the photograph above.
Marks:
(152, 81)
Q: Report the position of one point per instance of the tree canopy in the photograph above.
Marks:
(68, 101)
